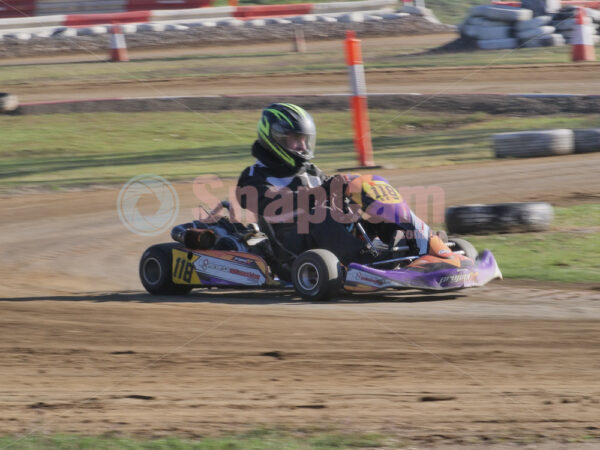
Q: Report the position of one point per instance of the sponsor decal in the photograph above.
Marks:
(242, 260)
(250, 275)
(365, 278)
(229, 271)
(458, 278)
(206, 265)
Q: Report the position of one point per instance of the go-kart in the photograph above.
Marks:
(243, 256)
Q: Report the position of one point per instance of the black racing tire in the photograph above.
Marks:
(587, 140)
(485, 33)
(156, 269)
(528, 144)
(499, 218)
(497, 44)
(465, 246)
(317, 275)
(503, 13)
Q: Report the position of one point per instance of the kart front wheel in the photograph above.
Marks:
(461, 244)
(317, 275)
(156, 270)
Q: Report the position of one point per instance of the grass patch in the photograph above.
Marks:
(453, 11)
(254, 440)
(565, 253)
(74, 150)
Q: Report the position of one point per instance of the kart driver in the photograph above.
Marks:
(283, 150)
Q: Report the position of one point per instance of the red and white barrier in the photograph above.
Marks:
(121, 10)
(583, 38)
(360, 113)
(149, 5)
(584, 3)
(17, 8)
(260, 11)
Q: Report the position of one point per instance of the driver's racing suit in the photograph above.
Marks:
(270, 181)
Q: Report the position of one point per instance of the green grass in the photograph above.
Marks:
(74, 150)
(453, 11)
(566, 253)
(254, 440)
(64, 151)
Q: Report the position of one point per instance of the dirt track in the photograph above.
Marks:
(84, 350)
(493, 80)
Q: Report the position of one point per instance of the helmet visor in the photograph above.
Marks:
(297, 144)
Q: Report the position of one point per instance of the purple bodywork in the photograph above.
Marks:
(484, 270)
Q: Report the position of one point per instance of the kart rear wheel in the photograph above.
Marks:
(461, 244)
(156, 269)
(317, 275)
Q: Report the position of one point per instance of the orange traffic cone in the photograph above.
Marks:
(118, 47)
(583, 38)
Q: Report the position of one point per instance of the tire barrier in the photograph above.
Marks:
(535, 33)
(526, 144)
(493, 33)
(565, 22)
(546, 40)
(536, 22)
(26, 28)
(552, 29)
(587, 141)
(497, 44)
(502, 13)
(499, 218)
(53, 40)
(8, 102)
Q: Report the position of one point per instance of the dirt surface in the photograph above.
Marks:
(456, 80)
(534, 78)
(83, 350)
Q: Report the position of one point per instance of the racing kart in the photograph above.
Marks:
(251, 256)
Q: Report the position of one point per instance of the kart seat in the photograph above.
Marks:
(279, 250)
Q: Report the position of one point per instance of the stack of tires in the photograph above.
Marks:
(564, 22)
(499, 218)
(538, 32)
(504, 27)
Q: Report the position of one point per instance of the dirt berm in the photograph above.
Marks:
(492, 104)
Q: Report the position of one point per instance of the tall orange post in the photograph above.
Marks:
(583, 38)
(118, 46)
(360, 114)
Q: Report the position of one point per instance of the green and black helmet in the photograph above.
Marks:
(288, 132)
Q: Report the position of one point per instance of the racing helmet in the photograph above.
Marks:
(288, 132)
